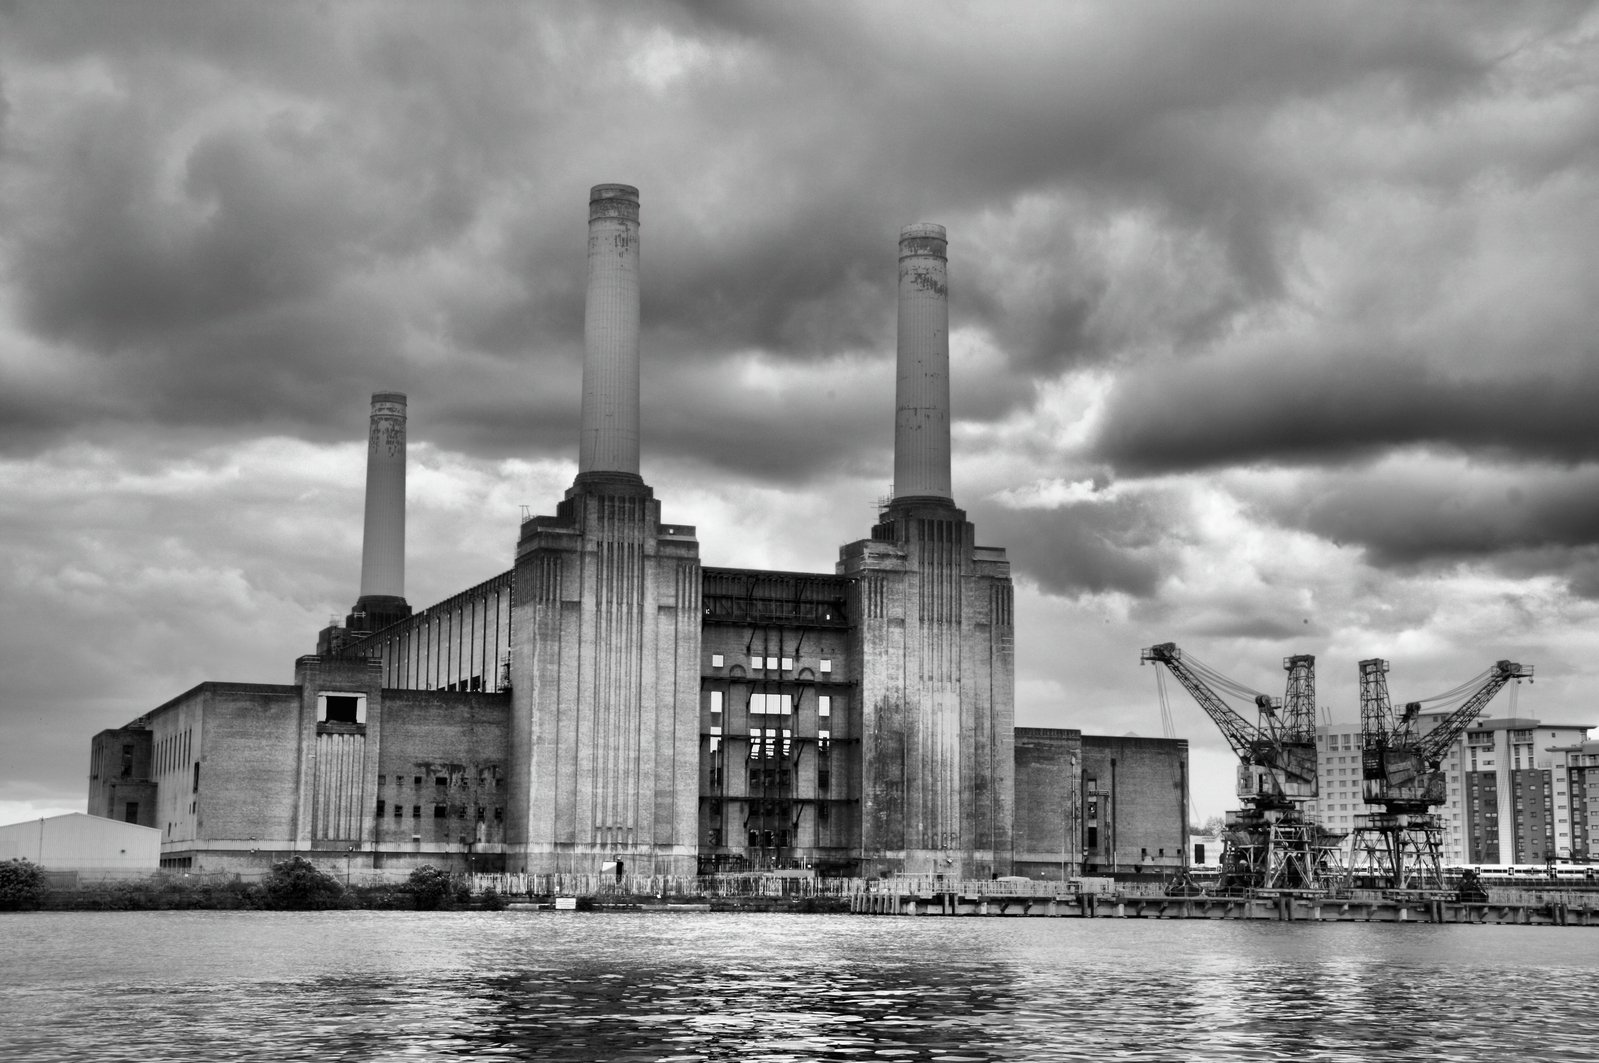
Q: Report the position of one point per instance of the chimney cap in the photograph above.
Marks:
(389, 396)
(613, 201)
(922, 230)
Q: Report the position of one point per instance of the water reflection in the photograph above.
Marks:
(402, 986)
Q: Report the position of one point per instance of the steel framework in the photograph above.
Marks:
(1401, 769)
(1268, 845)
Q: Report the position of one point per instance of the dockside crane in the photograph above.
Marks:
(1268, 844)
(1402, 771)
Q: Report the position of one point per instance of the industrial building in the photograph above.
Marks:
(609, 702)
(84, 847)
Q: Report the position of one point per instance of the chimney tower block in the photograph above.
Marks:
(609, 441)
(921, 386)
(383, 542)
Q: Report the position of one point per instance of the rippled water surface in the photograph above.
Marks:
(696, 986)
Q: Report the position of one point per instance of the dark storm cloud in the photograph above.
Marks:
(216, 183)
(1432, 513)
(1122, 545)
(1330, 408)
(1164, 106)
(236, 228)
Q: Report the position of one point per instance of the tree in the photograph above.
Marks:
(21, 885)
(297, 883)
(432, 887)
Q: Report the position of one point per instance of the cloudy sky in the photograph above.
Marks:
(1273, 325)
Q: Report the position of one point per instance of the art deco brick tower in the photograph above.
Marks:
(934, 622)
(606, 623)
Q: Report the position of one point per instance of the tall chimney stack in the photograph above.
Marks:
(609, 439)
(921, 387)
(383, 544)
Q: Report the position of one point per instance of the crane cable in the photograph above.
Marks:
(1169, 728)
(1166, 725)
(1217, 680)
(1460, 693)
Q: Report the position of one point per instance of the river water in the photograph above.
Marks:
(697, 986)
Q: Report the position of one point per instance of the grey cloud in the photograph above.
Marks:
(1520, 519)
(391, 139)
(1332, 408)
(1125, 545)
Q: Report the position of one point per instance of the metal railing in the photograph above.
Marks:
(515, 884)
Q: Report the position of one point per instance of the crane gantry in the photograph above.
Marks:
(1268, 844)
(1402, 771)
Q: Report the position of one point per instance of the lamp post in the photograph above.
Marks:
(348, 853)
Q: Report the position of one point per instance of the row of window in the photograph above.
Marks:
(439, 781)
(781, 704)
(767, 778)
(439, 811)
(764, 839)
(763, 663)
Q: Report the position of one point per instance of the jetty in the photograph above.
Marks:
(1107, 900)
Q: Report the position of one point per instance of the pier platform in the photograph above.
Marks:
(1362, 907)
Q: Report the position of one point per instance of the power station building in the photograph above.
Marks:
(610, 701)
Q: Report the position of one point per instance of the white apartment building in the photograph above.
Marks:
(1511, 795)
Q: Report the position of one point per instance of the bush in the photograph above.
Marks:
(21, 885)
(432, 887)
(298, 884)
(492, 900)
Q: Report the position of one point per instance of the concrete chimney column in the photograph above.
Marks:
(921, 389)
(383, 544)
(609, 439)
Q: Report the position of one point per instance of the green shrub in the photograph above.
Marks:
(431, 887)
(492, 900)
(21, 885)
(296, 883)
